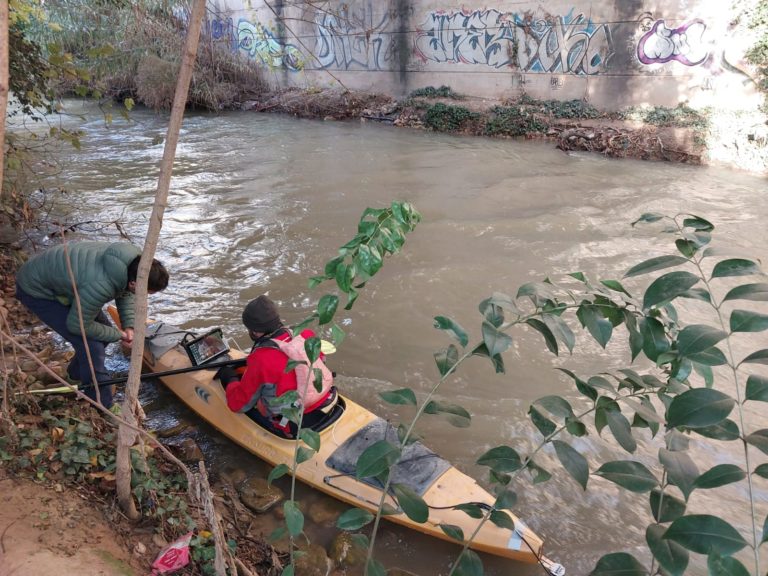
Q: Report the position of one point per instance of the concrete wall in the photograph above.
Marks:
(615, 54)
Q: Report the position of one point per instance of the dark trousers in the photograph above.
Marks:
(54, 314)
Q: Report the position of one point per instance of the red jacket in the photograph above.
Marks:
(265, 366)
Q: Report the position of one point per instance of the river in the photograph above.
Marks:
(259, 203)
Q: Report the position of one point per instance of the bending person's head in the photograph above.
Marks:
(261, 317)
(158, 276)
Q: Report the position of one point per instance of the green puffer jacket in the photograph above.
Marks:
(101, 273)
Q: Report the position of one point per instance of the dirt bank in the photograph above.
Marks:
(47, 529)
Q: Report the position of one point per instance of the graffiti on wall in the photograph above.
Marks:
(256, 41)
(564, 44)
(259, 43)
(684, 44)
(349, 39)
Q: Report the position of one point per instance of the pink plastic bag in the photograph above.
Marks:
(173, 556)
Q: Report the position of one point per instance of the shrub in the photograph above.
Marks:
(446, 118)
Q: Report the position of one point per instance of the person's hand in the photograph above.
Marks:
(227, 375)
(126, 336)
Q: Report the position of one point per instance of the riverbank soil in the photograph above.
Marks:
(47, 529)
(681, 134)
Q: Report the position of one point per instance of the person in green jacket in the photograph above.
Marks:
(102, 272)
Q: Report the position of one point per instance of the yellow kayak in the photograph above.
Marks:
(331, 469)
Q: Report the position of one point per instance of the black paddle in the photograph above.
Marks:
(212, 365)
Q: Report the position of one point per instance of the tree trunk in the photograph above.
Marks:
(4, 84)
(126, 436)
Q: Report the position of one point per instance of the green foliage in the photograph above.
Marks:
(446, 118)
(680, 397)
(432, 92)
(682, 116)
(562, 109)
(758, 53)
(513, 121)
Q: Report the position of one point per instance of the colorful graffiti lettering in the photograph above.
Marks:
(684, 44)
(347, 40)
(565, 44)
(222, 29)
(259, 43)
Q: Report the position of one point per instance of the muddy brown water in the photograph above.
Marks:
(259, 203)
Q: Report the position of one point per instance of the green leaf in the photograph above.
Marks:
(501, 459)
(718, 565)
(591, 318)
(457, 415)
(648, 217)
(506, 499)
(452, 531)
(312, 348)
(735, 267)
(698, 224)
(452, 328)
(502, 520)
(687, 247)
(698, 408)
(748, 321)
(294, 519)
(765, 531)
(633, 476)
(411, 503)
(727, 430)
(277, 472)
(669, 554)
(621, 430)
(665, 507)
(618, 564)
(544, 424)
(575, 427)
(543, 329)
(757, 388)
(755, 292)
(668, 287)
(681, 469)
(404, 396)
(560, 329)
(374, 568)
(762, 470)
(653, 264)
(538, 474)
(703, 534)
(539, 292)
(289, 570)
(471, 510)
(303, 454)
(354, 519)
(573, 462)
(697, 338)
(377, 458)
(310, 438)
(469, 564)
(615, 285)
(759, 440)
(720, 475)
(759, 357)
(496, 341)
(655, 340)
(326, 308)
(446, 359)
(556, 405)
(710, 357)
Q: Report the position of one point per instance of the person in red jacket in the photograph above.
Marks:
(256, 391)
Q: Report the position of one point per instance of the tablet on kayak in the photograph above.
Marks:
(203, 349)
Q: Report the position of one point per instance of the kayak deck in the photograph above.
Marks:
(331, 469)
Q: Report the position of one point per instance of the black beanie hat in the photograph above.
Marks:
(261, 315)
